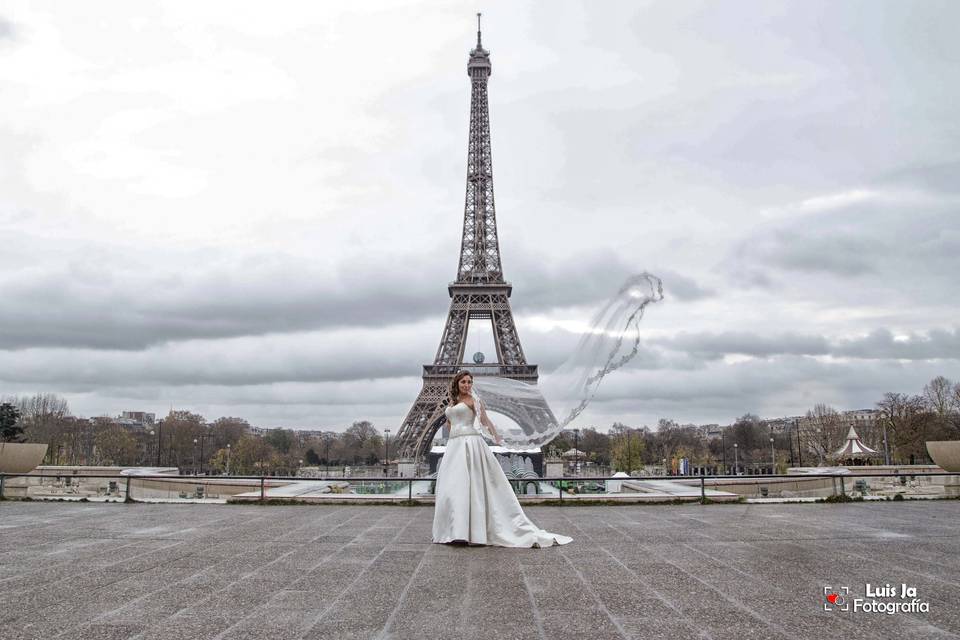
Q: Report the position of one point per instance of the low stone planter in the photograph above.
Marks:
(945, 453)
(21, 457)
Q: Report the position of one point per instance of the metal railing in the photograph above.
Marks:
(125, 487)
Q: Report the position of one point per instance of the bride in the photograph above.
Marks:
(474, 501)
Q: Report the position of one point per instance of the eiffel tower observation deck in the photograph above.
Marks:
(479, 292)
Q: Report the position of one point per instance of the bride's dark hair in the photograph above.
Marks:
(455, 385)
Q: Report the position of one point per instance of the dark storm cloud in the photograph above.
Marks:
(712, 346)
(121, 303)
(784, 385)
(116, 308)
(880, 344)
(815, 250)
(314, 358)
(683, 288)
(903, 245)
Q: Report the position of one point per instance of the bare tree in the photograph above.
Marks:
(43, 416)
(362, 442)
(939, 396)
(909, 425)
(79, 439)
(596, 445)
(822, 431)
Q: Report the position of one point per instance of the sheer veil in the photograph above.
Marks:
(611, 341)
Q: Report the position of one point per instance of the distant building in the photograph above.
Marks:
(711, 431)
(137, 419)
(780, 425)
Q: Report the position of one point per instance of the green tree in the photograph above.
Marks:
(251, 456)
(180, 429)
(115, 445)
(627, 450)
(280, 439)
(228, 431)
(220, 460)
(10, 428)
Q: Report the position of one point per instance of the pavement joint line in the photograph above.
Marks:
(91, 620)
(326, 558)
(99, 617)
(816, 579)
(467, 595)
(537, 615)
(736, 603)
(319, 617)
(907, 569)
(69, 578)
(596, 599)
(384, 633)
(905, 521)
(771, 563)
(703, 633)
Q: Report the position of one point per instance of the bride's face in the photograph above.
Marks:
(465, 385)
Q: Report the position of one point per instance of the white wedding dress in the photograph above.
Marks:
(474, 500)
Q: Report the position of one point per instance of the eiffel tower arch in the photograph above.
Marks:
(478, 294)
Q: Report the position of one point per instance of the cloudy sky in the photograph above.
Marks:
(226, 209)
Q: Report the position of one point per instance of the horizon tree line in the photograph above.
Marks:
(900, 426)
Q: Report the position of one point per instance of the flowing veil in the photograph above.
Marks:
(612, 341)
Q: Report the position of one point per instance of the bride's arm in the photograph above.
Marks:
(488, 423)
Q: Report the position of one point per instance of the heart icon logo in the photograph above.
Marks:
(832, 598)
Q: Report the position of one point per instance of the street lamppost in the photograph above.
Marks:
(159, 440)
(228, 458)
(576, 451)
(723, 452)
(386, 452)
(736, 459)
(773, 458)
(796, 427)
(202, 436)
(886, 449)
(148, 446)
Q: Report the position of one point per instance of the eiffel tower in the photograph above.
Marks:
(479, 292)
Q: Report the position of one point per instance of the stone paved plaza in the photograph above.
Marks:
(70, 570)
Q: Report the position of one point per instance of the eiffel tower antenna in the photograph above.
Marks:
(479, 292)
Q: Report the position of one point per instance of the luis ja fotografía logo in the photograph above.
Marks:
(886, 598)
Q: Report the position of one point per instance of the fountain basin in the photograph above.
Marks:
(945, 453)
(21, 457)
